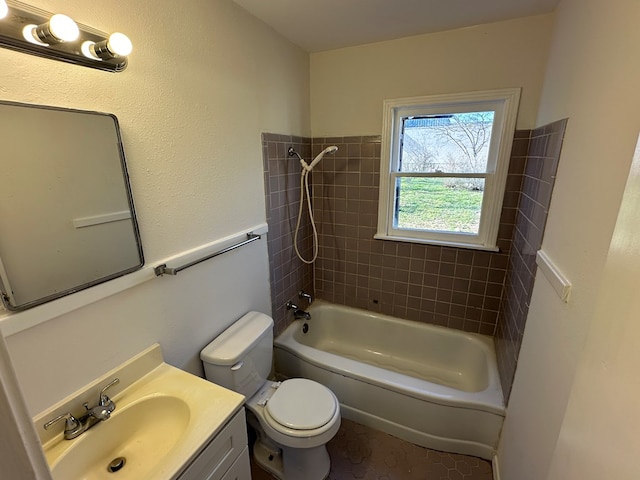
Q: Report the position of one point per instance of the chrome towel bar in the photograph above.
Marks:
(162, 269)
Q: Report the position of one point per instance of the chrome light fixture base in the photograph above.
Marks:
(22, 16)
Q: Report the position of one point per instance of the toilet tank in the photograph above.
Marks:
(240, 357)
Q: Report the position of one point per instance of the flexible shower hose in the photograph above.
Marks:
(304, 187)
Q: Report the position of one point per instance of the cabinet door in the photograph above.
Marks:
(241, 468)
(221, 452)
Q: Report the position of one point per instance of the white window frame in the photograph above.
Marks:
(504, 103)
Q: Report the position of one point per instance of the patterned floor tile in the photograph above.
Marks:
(359, 452)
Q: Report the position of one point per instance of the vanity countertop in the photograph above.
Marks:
(164, 417)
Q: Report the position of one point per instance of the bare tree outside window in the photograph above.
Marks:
(444, 145)
(455, 143)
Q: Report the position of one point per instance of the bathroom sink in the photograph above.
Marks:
(141, 434)
(161, 422)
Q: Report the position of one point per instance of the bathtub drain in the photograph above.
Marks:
(116, 464)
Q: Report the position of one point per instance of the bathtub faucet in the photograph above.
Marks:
(305, 295)
(298, 313)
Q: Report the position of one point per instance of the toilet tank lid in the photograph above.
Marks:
(232, 344)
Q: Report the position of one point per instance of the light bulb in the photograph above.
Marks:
(119, 44)
(4, 9)
(63, 28)
(58, 29)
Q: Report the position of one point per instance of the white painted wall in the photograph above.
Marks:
(592, 79)
(599, 436)
(348, 85)
(20, 450)
(205, 80)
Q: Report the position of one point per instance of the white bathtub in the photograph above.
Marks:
(433, 386)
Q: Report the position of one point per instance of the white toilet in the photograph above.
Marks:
(293, 419)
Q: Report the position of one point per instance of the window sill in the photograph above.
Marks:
(470, 246)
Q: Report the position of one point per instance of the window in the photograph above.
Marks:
(444, 167)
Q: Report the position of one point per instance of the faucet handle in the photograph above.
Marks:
(104, 400)
(291, 306)
(305, 295)
(71, 424)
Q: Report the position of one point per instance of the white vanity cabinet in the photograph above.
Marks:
(226, 456)
(168, 425)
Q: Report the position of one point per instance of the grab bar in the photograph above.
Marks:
(162, 269)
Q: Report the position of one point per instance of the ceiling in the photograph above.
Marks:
(318, 25)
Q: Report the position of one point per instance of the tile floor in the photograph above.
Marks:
(361, 452)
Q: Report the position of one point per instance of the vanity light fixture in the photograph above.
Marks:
(30, 30)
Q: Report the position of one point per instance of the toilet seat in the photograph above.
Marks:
(301, 404)
(287, 436)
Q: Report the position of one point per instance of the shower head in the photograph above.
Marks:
(308, 167)
(331, 149)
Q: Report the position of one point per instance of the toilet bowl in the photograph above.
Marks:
(299, 416)
(293, 419)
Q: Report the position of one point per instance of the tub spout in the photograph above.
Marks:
(298, 313)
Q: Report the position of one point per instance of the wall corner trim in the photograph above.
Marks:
(558, 281)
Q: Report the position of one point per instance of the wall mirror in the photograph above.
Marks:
(67, 220)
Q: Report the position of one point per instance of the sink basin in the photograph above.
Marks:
(163, 418)
(142, 433)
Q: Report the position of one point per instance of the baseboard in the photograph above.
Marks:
(495, 464)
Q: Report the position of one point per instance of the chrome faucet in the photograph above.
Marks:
(305, 295)
(74, 427)
(298, 313)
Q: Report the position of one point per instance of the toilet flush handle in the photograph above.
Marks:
(237, 366)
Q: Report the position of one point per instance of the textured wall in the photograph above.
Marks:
(348, 85)
(184, 116)
(204, 81)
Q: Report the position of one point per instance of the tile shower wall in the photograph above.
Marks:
(453, 287)
(538, 176)
(470, 290)
(282, 189)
